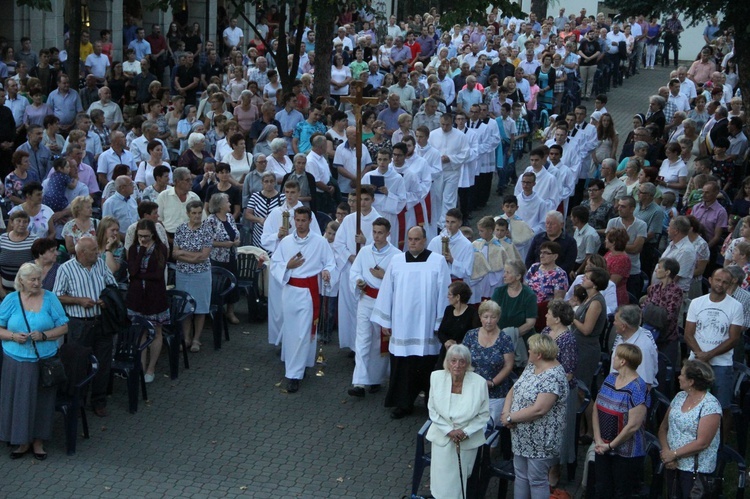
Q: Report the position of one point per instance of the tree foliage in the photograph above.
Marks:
(476, 11)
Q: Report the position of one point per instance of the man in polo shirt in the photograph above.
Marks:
(65, 103)
(97, 63)
(16, 104)
(140, 45)
(681, 249)
(115, 155)
(713, 217)
(174, 200)
(637, 232)
(405, 92)
(122, 204)
(586, 238)
(345, 161)
(40, 157)
(390, 115)
(317, 165)
(78, 285)
(653, 216)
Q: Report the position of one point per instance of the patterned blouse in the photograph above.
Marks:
(71, 229)
(193, 240)
(489, 361)
(373, 148)
(541, 438)
(220, 232)
(683, 429)
(14, 184)
(598, 219)
(619, 265)
(545, 283)
(669, 297)
(612, 407)
(567, 354)
(39, 224)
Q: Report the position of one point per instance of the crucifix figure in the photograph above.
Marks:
(357, 100)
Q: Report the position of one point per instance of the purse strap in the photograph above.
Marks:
(695, 457)
(23, 311)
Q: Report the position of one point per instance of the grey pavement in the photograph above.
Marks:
(223, 429)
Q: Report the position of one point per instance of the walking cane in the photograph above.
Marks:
(460, 469)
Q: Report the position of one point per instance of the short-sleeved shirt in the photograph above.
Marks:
(489, 361)
(712, 323)
(637, 229)
(683, 429)
(545, 283)
(50, 316)
(567, 354)
(193, 240)
(649, 367)
(613, 405)
(516, 310)
(541, 438)
(587, 241)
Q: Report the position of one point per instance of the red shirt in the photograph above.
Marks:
(157, 42)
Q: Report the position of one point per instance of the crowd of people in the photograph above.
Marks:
(191, 148)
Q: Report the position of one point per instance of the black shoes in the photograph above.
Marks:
(356, 391)
(292, 386)
(399, 413)
(374, 388)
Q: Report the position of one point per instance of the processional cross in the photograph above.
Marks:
(357, 100)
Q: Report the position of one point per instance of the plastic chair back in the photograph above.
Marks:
(223, 282)
(127, 358)
(665, 375)
(422, 459)
(70, 405)
(728, 455)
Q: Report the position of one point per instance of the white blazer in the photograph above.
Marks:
(471, 415)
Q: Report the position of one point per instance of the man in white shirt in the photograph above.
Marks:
(629, 330)
(345, 40)
(681, 249)
(586, 238)
(317, 166)
(345, 161)
(613, 40)
(676, 97)
(112, 112)
(233, 36)
(712, 329)
(687, 86)
(97, 63)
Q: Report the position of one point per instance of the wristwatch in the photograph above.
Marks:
(508, 419)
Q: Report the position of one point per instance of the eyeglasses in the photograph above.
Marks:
(594, 189)
(545, 253)
(145, 237)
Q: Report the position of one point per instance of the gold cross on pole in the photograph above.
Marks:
(357, 100)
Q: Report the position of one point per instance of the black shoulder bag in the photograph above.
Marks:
(51, 369)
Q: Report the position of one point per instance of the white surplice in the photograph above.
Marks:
(546, 186)
(345, 246)
(461, 250)
(566, 180)
(298, 344)
(454, 145)
(432, 157)
(417, 182)
(391, 204)
(493, 257)
(470, 169)
(488, 142)
(370, 368)
(411, 302)
(270, 240)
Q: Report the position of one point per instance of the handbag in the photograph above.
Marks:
(705, 485)
(51, 369)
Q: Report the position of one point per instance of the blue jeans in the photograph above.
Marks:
(722, 388)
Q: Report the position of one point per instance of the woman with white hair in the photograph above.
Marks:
(31, 321)
(278, 161)
(459, 410)
(195, 155)
(245, 113)
(222, 227)
(263, 144)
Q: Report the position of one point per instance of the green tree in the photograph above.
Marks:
(734, 13)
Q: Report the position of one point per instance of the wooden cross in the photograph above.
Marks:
(357, 100)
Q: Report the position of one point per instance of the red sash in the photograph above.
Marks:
(371, 292)
(311, 284)
(420, 214)
(401, 229)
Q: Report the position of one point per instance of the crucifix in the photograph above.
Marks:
(357, 100)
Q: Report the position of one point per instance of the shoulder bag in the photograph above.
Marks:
(51, 369)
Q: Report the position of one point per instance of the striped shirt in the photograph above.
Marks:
(13, 254)
(75, 280)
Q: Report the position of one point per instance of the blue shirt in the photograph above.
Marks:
(376, 80)
(125, 210)
(49, 317)
(142, 48)
(390, 118)
(402, 54)
(40, 161)
(65, 107)
(288, 122)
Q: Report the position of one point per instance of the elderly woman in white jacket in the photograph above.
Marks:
(459, 409)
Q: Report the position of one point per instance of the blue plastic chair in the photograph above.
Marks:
(131, 342)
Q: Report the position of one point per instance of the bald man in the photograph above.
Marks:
(115, 155)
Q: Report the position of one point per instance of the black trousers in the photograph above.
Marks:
(577, 194)
(671, 42)
(483, 184)
(617, 477)
(409, 376)
(465, 203)
(88, 333)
